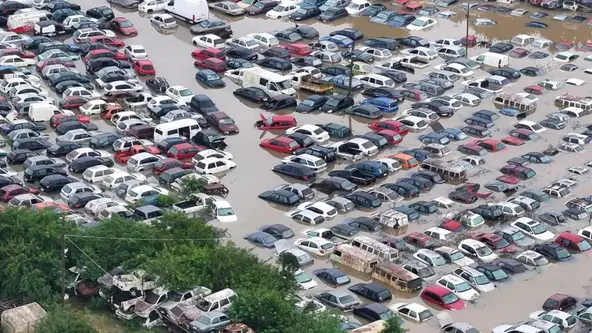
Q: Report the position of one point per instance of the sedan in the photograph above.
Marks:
(261, 238)
(332, 276)
(209, 78)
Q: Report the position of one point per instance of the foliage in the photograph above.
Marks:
(166, 200)
(64, 321)
(192, 185)
(288, 262)
(394, 326)
(30, 254)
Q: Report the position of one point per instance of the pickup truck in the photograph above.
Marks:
(137, 102)
(193, 205)
(395, 65)
(326, 234)
(484, 84)
(414, 62)
(122, 157)
(305, 81)
(347, 151)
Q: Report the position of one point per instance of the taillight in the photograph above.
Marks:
(305, 177)
(77, 206)
(322, 251)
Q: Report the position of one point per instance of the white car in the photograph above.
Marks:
(141, 191)
(448, 101)
(571, 147)
(211, 153)
(314, 163)
(85, 151)
(474, 160)
(97, 205)
(422, 53)
(530, 125)
(207, 41)
(476, 249)
(214, 165)
(578, 170)
(412, 311)
(519, 12)
(122, 87)
(461, 288)
(135, 52)
(118, 210)
(564, 319)
(586, 232)
(429, 257)
(511, 209)
(307, 216)
(27, 200)
(181, 94)
(364, 146)
(113, 180)
(415, 123)
(426, 114)
(69, 190)
(16, 61)
(157, 101)
(575, 82)
(456, 68)
(532, 259)
(80, 92)
(565, 57)
(454, 256)
(378, 54)
(421, 23)
(391, 164)
(577, 138)
(533, 229)
(163, 21)
(222, 210)
(317, 134)
(281, 11)
(440, 233)
(312, 71)
(97, 173)
(315, 245)
(304, 281)
(468, 99)
(72, 20)
(7, 173)
(149, 6)
(476, 279)
(265, 39)
(484, 22)
(446, 42)
(326, 210)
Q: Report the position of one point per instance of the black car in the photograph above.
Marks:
(87, 47)
(436, 106)
(332, 276)
(384, 92)
(403, 189)
(376, 139)
(31, 144)
(373, 312)
(332, 14)
(261, 7)
(62, 86)
(102, 140)
(372, 291)
(552, 218)
(337, 103)
(57, 5)
(306, 31)
(493, 272)
(311, 103)
(295, 170)
(54, 183)
(553, 251)
(306, 61)
(501, 47)
(125, 3)
(532, 71)
(101, 12)
(9, 127)
(351, 33)
(363, 199)
(35, 173)
(278, 231)
(382, 43)
(210, 139)
(358, 55)
(10, 7)
(33, 42)
(305, 13)
(421, 183)
(355, 176)
(252, 94)
(241, 52)
(365, 111)
(96, 64)
(279, 102)
(277, 52)
(373, 10)
(413, 41)
(275, 63)
(365, 223)
(462, 196)
(424, 207)
(335, 70)
(281, 197)
(507, 72)
(167, 143)
(19, 156)
(61, 14)
(430, 175)
(62, 148)
(491, 213)
(54, 79)
(327, 154)
(83, 163)
(397, 77)
(288, 36)
(67, 126)
(79, 200)
(334, 183)
(238, 63)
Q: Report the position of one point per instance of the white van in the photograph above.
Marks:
(272, 83)
(218, 301)
(522, 40)
(357, 6)
(186, 128)
(492, 59)
(24, 22)
(42, 111)
(375, 247)
(190, 11)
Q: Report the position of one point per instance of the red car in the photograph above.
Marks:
(472, 149)
(10, 191)
(414, 95)
(491, 145)
(536, 90)
(392, 137)
(560, 302)
(103, 53)
(53, 61)
(508, 179)
(496, 243)
(524, 134)
(203, 54)
(276, 122)
(388, 124)
(109, 41)
(144, 67)
(169, 163)
(572, 242)
(586, 47)
(418, 239)
(452, 225)
(442, 297)
(61, 118)
(298, 49)
(14, 51)
(214, 64)
(183, 151)
(281, 144)
(72, 102)
(57, 207)
(123, 156)
(512, 141)
(222, 122)
(111, 110)
(123, 26)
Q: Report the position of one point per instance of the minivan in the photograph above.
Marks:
(38, 172)
(372, 168)
(142, 161)
(142, 131)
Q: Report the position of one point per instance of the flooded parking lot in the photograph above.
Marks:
(512, 301)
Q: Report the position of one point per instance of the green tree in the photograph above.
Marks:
(64, 321)
(264, 310)
(192, 185)
(393, 325)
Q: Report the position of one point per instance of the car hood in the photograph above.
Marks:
(500, 329)
(525, 243)
(536, 314)
(464, 261)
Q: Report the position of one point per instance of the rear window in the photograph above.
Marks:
(201, 166)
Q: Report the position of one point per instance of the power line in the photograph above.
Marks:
(142, 239)
(86, 255)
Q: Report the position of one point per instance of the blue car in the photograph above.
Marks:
(411, 213)
(384, 16)
(261, 238)
(401, 21)
(439, 137)
(209, 78)
(538, 15)
(342, 82)
(419, 154)
(510, 112)
(371, 168)
(454, 134)
(339, 40)
(536, 24)
(383, 104)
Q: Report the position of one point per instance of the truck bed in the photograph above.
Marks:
(317, 87)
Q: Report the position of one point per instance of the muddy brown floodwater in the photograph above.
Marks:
(512, 301)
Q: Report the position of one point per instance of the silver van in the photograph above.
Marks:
(375, 247)
(218, 301)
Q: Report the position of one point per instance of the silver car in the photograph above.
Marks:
(338, 299)
(179, 114)
(25, 134)
(76, 135)
(164, 21)
(228, 8)
(244, 42)
(43, 160)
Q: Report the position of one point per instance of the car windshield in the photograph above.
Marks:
(425, 272)
(518, 236)
(386, 315)
(501, 243)
(125, 24)
(584, 246)
(225, 212)
(457, 255)
(308, 102)
(499, 274)
(462, 287)
(483, 251)
(268, 239)
(449, 298)
(438, 261)
(185, 92)
(481, 280)
(259, 5)
(346, 299)
(342, 279)
(303, 278)
(538, 229)
(332, 102)
(562, 253)
(540, 261)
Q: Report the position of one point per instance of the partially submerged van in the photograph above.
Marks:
(355, 258)
(492, 59)
(272, 83)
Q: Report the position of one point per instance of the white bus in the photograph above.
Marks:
(186, 128)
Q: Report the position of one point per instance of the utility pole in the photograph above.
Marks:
(63, 254)
(467, 34)
(351, 78)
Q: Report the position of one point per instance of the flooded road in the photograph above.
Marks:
(513, 301)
